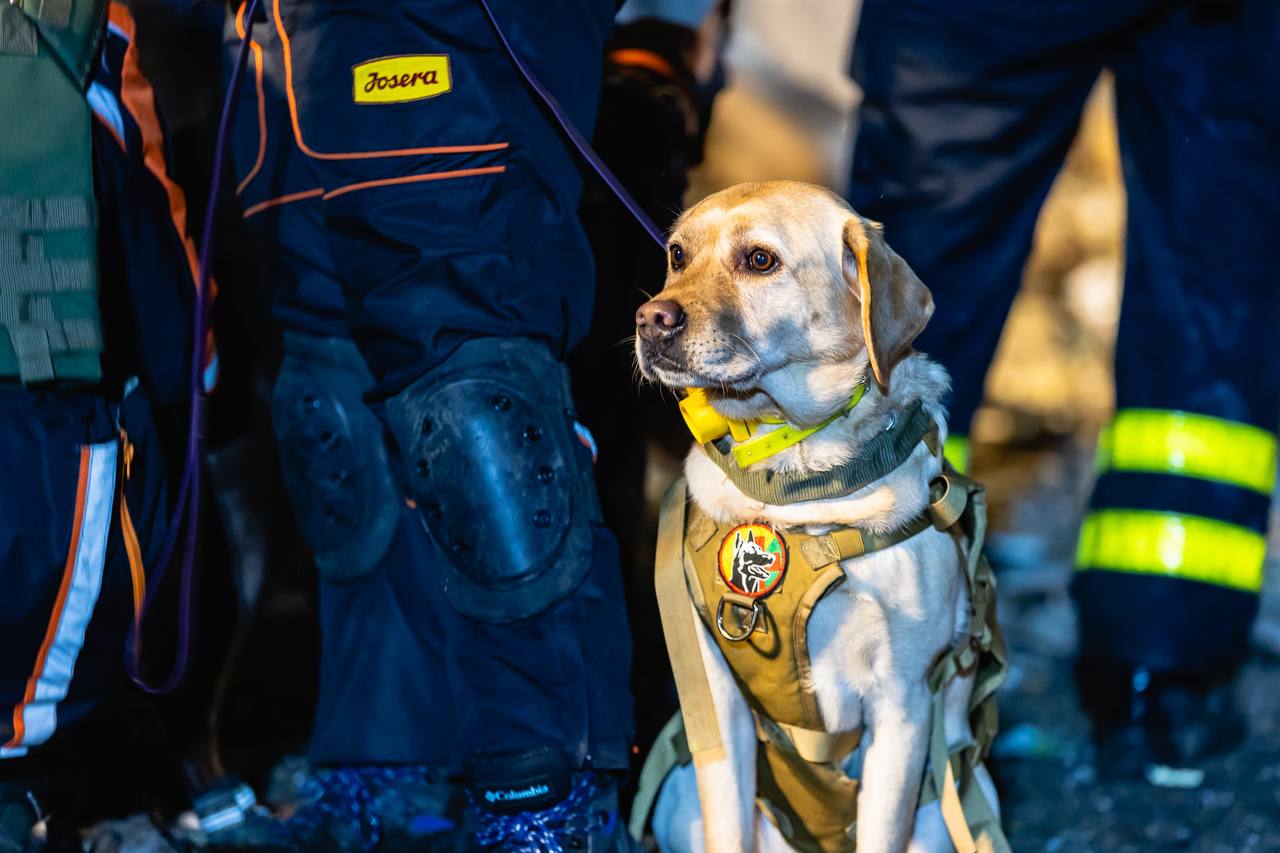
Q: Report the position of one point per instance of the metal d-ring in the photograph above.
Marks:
(751, 626)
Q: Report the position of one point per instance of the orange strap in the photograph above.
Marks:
(262, 106)
(136, 570)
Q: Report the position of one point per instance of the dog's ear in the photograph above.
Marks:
(894, 303)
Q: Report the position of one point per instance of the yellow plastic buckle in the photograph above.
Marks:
(707, 425)
(704, 422)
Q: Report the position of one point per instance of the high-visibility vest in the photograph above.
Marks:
(50, 324)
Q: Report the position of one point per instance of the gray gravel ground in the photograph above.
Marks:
(1051, 794)
(1054, 801)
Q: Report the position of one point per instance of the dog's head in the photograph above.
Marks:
(779, 297)
(747, 552)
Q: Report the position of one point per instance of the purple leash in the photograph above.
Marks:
(186, 513)
(580, 143)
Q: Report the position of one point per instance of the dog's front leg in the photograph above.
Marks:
(727, 786)
(893, 767)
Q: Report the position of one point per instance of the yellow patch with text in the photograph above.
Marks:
(396, 79)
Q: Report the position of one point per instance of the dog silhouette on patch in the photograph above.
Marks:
(751, 564)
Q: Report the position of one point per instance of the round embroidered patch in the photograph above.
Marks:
(753, 559)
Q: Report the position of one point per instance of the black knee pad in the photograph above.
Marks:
(333, 456)
(502, 481)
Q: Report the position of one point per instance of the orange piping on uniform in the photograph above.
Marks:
(82, 487)
(262, 107)
(641, 58)
(287, 51)
(279, 200)
(411, 179)
(139, 100)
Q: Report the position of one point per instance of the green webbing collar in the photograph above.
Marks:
(878, 458)
(761, 447)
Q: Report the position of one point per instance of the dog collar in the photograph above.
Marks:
(877, 458)
(750, 445)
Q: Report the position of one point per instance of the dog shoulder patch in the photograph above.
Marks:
(752, 559)
(397, 79)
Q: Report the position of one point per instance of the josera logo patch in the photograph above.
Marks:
(396, 79)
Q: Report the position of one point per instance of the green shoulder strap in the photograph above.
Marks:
(670, 750)
(959, 506)
(50, 326)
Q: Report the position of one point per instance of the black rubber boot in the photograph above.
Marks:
(1144, 719)
(533, 802)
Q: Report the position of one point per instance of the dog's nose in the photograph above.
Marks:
(659, 317)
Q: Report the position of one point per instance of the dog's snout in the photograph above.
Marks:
(659, 317)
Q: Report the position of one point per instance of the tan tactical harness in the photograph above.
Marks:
(801, 785)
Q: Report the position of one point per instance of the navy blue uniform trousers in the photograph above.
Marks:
(969, 111)
(412, 227)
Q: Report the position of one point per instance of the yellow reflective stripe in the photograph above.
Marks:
(1190, 445)
(956, 451)
(1190, 547)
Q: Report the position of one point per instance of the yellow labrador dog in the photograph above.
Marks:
(779, 301)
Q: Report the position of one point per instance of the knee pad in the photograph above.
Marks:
(333, 456)
(503, 484)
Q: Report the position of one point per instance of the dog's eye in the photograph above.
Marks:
(761, 260)
(677, 256)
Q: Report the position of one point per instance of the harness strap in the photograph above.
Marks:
(949, 503)
(679, 627)
(848, 542)
(813, 745)
(670, 749)
(964, 806)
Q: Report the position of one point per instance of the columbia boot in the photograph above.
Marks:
(532, 802)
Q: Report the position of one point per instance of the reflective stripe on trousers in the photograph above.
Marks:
(1164, 542)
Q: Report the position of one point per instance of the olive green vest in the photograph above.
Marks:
(759, 622)
(50, 327)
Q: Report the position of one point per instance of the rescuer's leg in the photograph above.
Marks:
(450, 205)
(1170, 556)
(968, 111)
(376, 773)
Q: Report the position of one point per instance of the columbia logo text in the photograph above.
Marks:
(517, 794)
